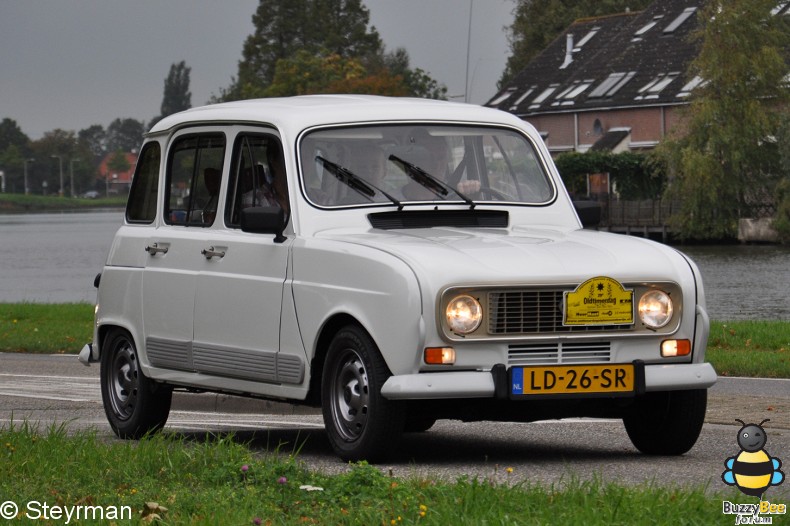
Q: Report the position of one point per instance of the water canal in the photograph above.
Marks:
(53, 258)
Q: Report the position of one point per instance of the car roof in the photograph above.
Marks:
(294, 114)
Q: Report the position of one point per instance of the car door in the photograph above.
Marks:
(174, 249)
(241, 282)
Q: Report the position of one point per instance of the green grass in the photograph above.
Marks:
(45, 328)
(221, 481)
(750, 348)
(39, 203)
(738, 348)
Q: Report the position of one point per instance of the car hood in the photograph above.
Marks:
(451, 255)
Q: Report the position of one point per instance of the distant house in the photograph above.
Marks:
(611, 83)
(116, 182)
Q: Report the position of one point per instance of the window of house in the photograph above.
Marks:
(682, 17)
(502, 98)
(686, 90)
(586, 38)
(193, 178)
(647, 27)
(612, 84)
(141, 207)
(545, 94)
(521, 99)
(652, 89)
(257, 176)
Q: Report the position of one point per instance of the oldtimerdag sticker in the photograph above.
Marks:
(599, 301)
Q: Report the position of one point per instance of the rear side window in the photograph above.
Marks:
(194, 174)
(143, 195)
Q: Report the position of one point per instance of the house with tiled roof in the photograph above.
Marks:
(115, 181)
(612, 83)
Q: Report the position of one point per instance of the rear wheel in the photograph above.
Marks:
(668, 422)
(360, 423)
(134, 404)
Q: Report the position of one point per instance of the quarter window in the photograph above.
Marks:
(194, 175)
(144, 193)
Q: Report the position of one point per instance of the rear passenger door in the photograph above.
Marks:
(240, 286)
(174, 257)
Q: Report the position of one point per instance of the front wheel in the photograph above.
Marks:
(667, 422)
(134, 404)
(360, 423)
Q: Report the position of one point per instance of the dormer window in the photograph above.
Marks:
(522, 98)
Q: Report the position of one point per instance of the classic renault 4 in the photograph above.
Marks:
(394, 262)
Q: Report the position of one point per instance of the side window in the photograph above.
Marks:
(257, 177)
(143, 195)
(194, 174)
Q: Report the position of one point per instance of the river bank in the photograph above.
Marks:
(27, 204)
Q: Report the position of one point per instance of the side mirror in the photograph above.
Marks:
(589, 213)
(264, 220)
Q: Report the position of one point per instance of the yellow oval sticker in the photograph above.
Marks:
(599, 301)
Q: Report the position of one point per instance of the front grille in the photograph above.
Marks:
(559, 353)
(535, 311)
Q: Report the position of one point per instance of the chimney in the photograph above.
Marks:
(568, 51)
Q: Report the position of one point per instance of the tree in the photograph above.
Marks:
(538, 22)
(727, 162)
(125, 134)
(63, 144)
(331, 40)
(94, 139)
(14, 149)
(177, 96)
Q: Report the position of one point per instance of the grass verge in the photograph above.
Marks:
(220, 481)
(736, 348)
(750, 348)
(45, 328)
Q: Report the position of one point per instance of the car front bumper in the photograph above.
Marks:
(482, 384)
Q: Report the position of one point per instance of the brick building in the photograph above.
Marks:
(615, 82)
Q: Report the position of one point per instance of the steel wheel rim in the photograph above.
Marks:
(123, 380)
(350, 396)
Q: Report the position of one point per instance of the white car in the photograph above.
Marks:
(395, 262)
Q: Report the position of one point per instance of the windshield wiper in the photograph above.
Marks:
(438, 187)
(355, 182)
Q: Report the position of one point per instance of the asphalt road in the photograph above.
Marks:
(55, 388)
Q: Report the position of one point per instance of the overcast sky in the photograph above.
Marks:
(73, 63)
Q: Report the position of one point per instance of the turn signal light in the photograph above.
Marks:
(670, 348)
(439, 355)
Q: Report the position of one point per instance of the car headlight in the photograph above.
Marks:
(464, 314)
(655, 309)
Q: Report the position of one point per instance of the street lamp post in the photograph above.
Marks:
(71, 175)
(60, 163)
(27, 188)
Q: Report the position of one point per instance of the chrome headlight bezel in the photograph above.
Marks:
(655, 309)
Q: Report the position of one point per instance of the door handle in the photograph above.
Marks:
(210, 252)
(155, 249)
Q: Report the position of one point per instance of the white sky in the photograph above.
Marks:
(73, 63)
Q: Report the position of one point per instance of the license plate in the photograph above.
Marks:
(573, 379)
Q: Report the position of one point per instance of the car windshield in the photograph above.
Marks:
(412, 164)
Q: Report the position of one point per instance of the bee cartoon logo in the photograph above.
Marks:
(753, 470)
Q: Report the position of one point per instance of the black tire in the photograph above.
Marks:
(418, 423)
(667, 423)
(360, 423)
(134, 404)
